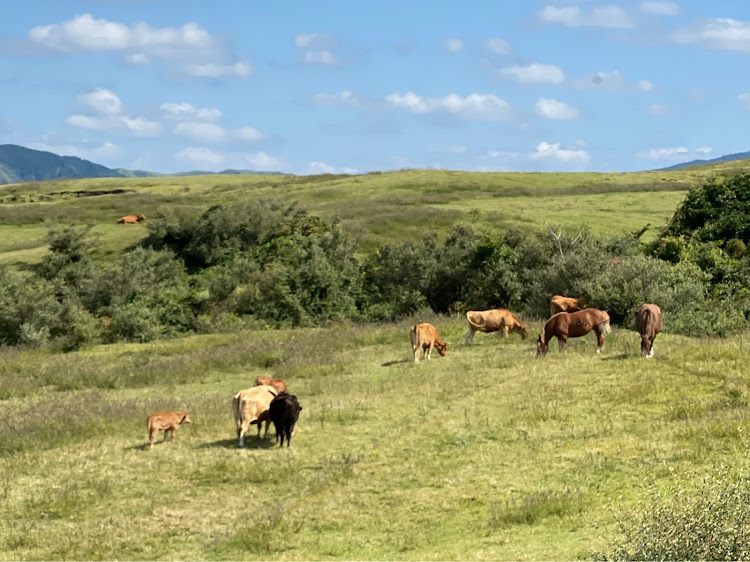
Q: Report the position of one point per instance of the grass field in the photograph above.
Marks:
(376, 208)
(486, 454)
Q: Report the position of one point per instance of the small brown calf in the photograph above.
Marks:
(168, 421)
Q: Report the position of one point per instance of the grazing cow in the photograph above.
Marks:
(425, 336)
(284, 412)
(648, 323)
(278, 384)
(565, 304)
(131, 219)
(574, 324)
(168, 421)
(250, 407)
(498, 320)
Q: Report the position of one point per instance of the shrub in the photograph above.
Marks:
(709, 523)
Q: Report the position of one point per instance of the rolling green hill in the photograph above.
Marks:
(19, 164)
(376, 208)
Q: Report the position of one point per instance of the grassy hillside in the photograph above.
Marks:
(376, 208)
(488, 454)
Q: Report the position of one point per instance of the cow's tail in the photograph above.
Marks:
(649, 324)
(471, 322)
(604, 326)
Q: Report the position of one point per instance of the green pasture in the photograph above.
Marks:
(376, 208)
(488, 454)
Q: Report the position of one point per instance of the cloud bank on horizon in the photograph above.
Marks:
(327, 87)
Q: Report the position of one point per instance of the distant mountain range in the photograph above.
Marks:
(20, 164)
(727, 158)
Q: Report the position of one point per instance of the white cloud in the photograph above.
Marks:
(105, 151)
(142, 127)
(535, 73)
(504, 154)
(660, 8)
(323, 168)
(553, 109)
(498, 45)
(704, 150)
(194, 50)
(485, 107)
(320, 57)
(206, 158)
(189, 111)
(318, 48)
(717, 33)
(342, 99)
(744, 100)
(453, 45)
(553, 151)
(573, 16)
(663, 153)
(211, 132)
(645, 86)
(657, 109)
(137, 58)
(101, 101)
(240, 69)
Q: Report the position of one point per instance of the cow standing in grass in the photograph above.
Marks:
(168, 421)
(131, 219)
(648, 323)
(284, 413)
(278, 384)
(250, 407)
(425, 337)
(498, 320)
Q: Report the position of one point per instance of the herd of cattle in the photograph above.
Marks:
(269, 400)
(570, 318)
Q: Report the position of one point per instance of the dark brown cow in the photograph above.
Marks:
(131, 219)
(284, 413)
(498, 320)
(565, 304)
(168, 421)
(425, 337)
(574, 324)
(648, 323)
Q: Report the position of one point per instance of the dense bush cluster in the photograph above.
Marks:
(710, 523)
(269, 263)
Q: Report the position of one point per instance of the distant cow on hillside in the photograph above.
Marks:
(131, 219)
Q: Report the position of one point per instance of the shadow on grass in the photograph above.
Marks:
(618, 357)
(389, 363)
(250, 443)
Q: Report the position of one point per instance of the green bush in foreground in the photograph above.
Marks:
(710, 523)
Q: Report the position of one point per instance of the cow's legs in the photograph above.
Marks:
(243, 430)
(268, 422)
(166, 434)
(469, 337)
(429, 350)
(417, 353)
(152, 436)
(562, 342)
(505, 330)
(174, 434)
(599, 341)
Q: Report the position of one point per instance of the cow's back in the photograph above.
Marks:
(254, 402)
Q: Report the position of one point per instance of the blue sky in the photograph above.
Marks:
(355, 86)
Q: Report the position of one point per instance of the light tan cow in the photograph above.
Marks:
(250, 406)
(425, 337)
(278, 384)
(498, 320)
(168, 421)
(565, 304)
(131, 219)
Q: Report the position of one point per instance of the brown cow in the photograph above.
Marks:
(565, 304)
(648, 323)
(425, 337)
(131, 219)
(278, 384)
(498, 320)
(250, 407)
(574, 325)
(168, 421)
